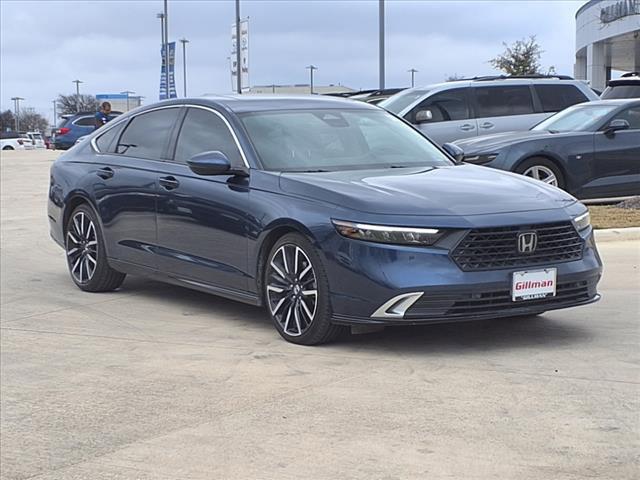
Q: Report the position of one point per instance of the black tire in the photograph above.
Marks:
(545, 163)
(8, 147)
(319, 329)
(102, 278)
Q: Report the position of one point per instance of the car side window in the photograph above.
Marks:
(204, 131)
(85, 122)
(105, 142)
(147, 134)
(631, 115)
(558, 97)
(443, 107)
(503, 101)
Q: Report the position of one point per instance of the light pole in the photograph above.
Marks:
(163, 50)
(381, 41)
(55, 112)
(77, 82)
(127, 93)
(16, 110)
(166, 46)
(413, 71)
(184, 42)
(311, 68)
(238, 67)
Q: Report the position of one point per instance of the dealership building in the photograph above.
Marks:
(607, 38)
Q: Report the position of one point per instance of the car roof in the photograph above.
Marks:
(256, 103)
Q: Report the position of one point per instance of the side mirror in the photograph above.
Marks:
(424, 116)
(615, 125)
(454, 151)
(212, 163)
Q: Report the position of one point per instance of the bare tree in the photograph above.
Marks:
(68, 104)
(7, 121)
(521, 58)
(31, 121)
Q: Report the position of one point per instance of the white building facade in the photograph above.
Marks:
(607, 38)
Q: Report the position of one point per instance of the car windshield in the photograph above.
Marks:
(326, 140)
(398, 102)
(579, 118)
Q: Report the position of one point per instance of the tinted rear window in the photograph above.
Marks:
(147, 134)
(105, 142)
(85, 122)
(503, 101)
(558, 97)
(622, 91)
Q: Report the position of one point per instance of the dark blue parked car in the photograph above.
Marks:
(329, 212)
(75, 126)
(592, 150)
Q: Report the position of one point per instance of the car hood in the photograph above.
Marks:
(450, 190)
(493, 143)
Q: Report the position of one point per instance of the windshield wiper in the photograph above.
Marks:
(553, 131)
(308, 171)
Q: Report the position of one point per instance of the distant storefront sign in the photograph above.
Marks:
(244, 55)
(172, 77)
(619, 10)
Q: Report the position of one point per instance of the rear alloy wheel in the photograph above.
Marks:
(296, 292)
(86, 254)
(543, 170)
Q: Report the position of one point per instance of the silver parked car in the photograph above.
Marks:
(484, 105)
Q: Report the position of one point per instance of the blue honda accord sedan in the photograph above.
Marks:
(326, 211)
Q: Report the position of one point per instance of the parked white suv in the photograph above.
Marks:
(36, 139)
(484, 105)
(15, 141)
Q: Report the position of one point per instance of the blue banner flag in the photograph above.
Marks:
(172, 77)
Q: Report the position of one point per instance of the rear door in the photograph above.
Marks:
(505, 108)
(617, 159)
(126, 184)
(203, 220)
(446, 116)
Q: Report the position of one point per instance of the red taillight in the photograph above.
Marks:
(20, 142)
(63, 131)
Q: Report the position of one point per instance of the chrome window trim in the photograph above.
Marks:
(182, 105)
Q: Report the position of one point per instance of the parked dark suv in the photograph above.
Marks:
(627, 86)
(72, 127)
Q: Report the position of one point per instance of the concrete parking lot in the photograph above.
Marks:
(159, 382)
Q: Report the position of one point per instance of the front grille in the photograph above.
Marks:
(497, 248)
(452, 305)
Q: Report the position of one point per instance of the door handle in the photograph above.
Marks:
(105, 173)
(486, 125)
(169, 183)
(466, 127)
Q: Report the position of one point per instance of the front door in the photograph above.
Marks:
(202, 220)
(617, 160)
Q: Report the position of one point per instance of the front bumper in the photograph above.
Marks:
(366, 276)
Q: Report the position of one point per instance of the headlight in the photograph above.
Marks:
(480, 158)
(582, 221)
(388, 234)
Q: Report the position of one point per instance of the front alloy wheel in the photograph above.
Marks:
(542, 173)
(296, 292)
(292, 290)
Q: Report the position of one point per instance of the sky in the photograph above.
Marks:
(113, 46)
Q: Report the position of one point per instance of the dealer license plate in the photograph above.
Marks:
(533, 284)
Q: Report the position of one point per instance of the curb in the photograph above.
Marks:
(617, 234)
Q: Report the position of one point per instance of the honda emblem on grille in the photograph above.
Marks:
(527, 242)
